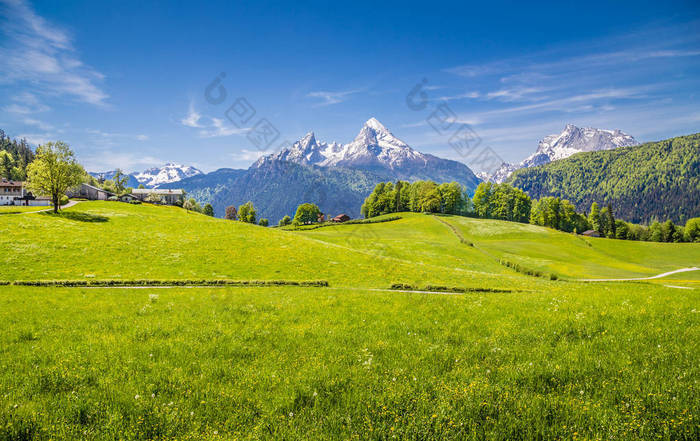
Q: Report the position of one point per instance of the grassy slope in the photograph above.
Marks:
(114, 240)
(558, 360)
(575, 256)
(614, 362)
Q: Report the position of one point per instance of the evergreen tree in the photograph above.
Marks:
(594, 217)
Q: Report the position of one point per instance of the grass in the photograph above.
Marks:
(14, 209)
(109, 240)
(615, 362)
(497, 355)
(574, 256)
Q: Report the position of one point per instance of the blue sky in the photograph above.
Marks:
(124, 83)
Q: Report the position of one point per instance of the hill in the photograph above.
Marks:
(107, 240)
(347, 361)
(654, 180)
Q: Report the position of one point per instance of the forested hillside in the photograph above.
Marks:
(656, 180)
(14, 157)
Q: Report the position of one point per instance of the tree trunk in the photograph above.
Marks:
(55, 203)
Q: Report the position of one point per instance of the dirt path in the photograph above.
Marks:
(68, 205)
(658, 276)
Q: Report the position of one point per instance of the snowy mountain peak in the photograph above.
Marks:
(170, 172)
(375, 125)
(571, 140)
(375, 145)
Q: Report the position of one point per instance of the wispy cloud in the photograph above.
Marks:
(247, 155)
(36, 123)
(210, 127)
(219, 127)
(110, 159)
(328, 98)
(38, 54)
(192, 118)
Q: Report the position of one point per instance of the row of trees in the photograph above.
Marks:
(245, 213)
(419, 196)
(505, 202)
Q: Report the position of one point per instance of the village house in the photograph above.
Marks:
(89, 192)
(14, 193)
(168, 196)
(341, 218)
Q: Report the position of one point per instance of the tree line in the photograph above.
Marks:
(418, 197)
(505, 202)
(15, 156)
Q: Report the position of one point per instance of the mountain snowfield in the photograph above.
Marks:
(170, 172)
(374, 146)
(570, 141)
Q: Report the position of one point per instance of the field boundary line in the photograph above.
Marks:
(632, 279)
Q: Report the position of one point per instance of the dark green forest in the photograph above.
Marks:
(656, 180)
(14, 157)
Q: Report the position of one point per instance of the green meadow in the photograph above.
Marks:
(533, 359)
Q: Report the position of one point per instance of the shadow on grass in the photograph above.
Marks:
(76, 216)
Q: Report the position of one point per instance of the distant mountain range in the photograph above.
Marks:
(570, 141)
(656, 180)
(154, 177)
(337, 177)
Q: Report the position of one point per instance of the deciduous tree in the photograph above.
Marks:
(54, 171)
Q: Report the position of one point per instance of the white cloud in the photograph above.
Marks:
(192, 118)
(110, 159)
(37, 138)
(247, 155)
(329, 98)
(36, 123)
(219, 128)
(39, 55)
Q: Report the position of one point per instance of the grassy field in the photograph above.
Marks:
(546, 360)
(615, 362)
(14, 209)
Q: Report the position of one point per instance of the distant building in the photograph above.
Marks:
(341, 218)
(169, 196)
(14, 193)
(87, 191)
(591, 233)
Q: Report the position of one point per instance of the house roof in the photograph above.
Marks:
(8, 183)
(157, 191)
(97, 188)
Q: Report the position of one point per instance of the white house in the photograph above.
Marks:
(14, 193)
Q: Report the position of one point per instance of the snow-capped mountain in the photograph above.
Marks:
(374, 147)
(170, 172)
(570, 141)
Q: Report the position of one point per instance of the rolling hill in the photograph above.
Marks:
(351, 360)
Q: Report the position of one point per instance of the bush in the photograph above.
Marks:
(264, 222)
(230, 213)
(63, 200)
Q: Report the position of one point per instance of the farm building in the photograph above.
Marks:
(591, 233)
(341, 218)
(168, 196)
(90, 193)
